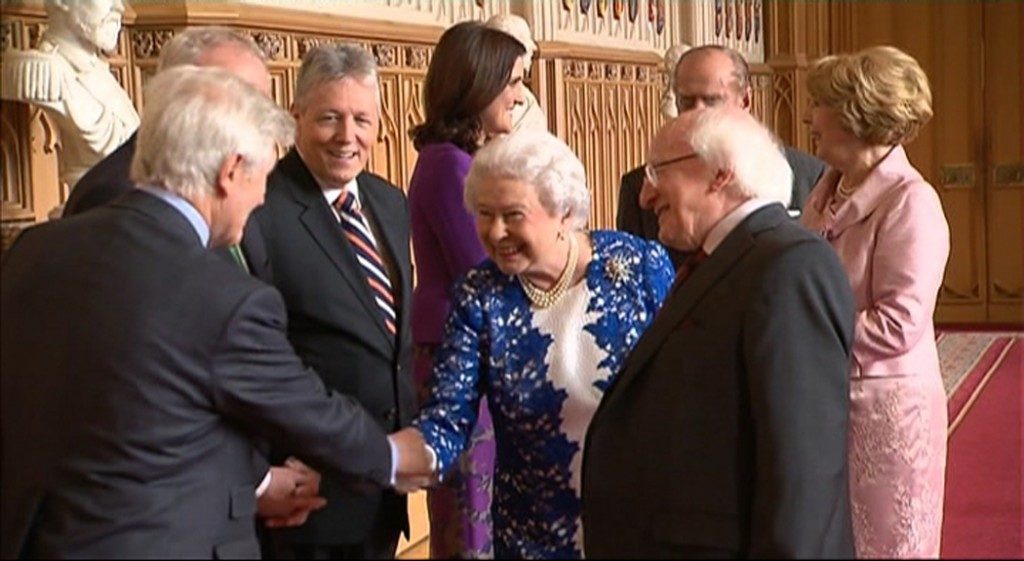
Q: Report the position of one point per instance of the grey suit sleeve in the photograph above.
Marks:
(797, 344)
(260, 384)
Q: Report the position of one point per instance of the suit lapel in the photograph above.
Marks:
(319, 220)
(685, 298)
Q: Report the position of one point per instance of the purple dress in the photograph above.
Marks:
(446, 246)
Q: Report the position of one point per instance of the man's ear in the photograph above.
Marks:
(748, 98)
(230, 172)
(723, 178)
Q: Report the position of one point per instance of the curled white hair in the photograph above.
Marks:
(194, 119)
(731, 139)
(540, 159)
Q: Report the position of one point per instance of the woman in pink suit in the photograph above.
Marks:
(887, 225)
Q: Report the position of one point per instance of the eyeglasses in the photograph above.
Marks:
(651, 168)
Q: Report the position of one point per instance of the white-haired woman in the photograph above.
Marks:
(540, 329)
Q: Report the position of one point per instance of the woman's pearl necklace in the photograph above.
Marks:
(544, 298)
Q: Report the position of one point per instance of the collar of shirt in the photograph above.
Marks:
(720, 230)
(185, 208)
(331, 194)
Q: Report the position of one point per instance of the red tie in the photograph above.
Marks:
(688, 267)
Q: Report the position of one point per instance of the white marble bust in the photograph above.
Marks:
(69, 78)
(529, 115)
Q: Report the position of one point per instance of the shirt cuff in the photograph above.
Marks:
(433, 458)
(264, 484)
(394, 460)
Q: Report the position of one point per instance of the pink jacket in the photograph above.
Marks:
(893, 239)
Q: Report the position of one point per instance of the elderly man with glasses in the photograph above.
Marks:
(724, 435)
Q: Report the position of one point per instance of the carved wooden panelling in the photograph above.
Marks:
(611, 113)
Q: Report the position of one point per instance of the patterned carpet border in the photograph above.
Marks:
(962, 352)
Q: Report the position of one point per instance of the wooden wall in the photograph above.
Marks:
(602, 96)
(602, 102)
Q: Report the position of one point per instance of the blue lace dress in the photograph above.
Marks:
(543, 372)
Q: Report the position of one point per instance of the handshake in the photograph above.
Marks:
(416, 462)
(294, 487)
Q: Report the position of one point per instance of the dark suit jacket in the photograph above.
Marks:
(725, 432)
(631, 218)
(337, 328)
(105, 181)
(110, 179)
(807, 171)
(137, 368)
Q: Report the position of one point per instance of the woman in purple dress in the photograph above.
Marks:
(473, 83)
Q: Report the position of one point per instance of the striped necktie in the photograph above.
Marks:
(359, 236)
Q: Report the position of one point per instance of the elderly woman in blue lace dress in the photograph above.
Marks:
(541, 329)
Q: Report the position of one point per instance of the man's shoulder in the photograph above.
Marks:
(387, 191)
(632, 179)
(104, 182)
(805, 166)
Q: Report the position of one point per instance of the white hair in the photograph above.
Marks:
(540, 159)
(194, 119)
(732, 139)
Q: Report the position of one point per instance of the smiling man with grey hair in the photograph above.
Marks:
(338, 241)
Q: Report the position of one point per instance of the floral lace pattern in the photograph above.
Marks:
(897, 464)
(494, 346)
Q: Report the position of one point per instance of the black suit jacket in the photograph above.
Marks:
(725, 432)
(110, 179)
(105, 181)
(137, 368)
(337, 328)
(631, 218)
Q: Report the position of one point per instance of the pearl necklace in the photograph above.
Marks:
(845, 190)
(544, 298)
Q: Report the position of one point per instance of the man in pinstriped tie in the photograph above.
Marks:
(337, 238)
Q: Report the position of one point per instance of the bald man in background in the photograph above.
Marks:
(710, 76)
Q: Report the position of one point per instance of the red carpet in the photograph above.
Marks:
(984, 493)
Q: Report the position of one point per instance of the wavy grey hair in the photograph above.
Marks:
(732, 139)
(329, 62)
(541, 160)
(189, 46)
(195, 118)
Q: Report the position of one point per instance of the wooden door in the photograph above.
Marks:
(971, 151)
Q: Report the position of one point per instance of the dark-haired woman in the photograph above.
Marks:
(473, 83)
